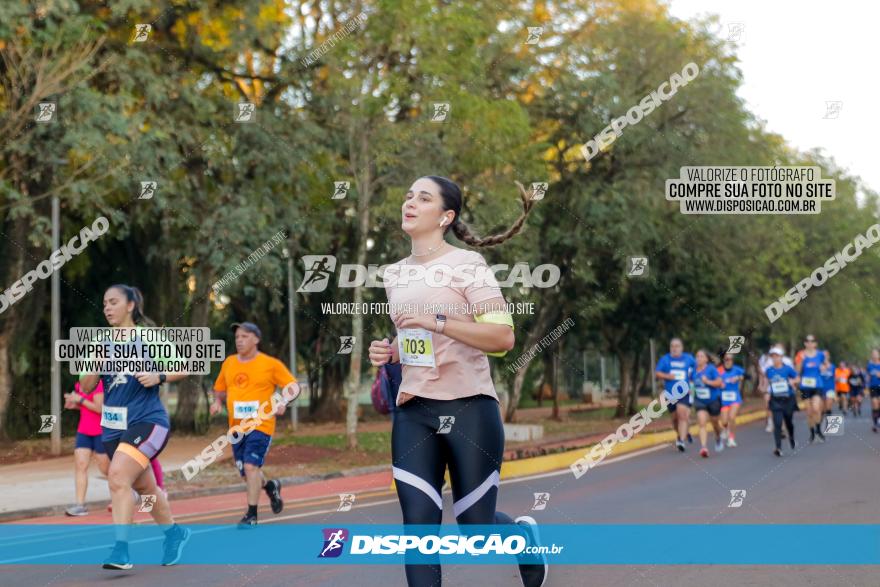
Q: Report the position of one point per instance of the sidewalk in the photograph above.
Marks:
(48, 484)
(46, 487)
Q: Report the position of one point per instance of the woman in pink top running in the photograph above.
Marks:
(88, 441)
(448, 412)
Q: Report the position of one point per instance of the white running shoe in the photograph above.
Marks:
(535, 573)
(731, 442)
(76, 510)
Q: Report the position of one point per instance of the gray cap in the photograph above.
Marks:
(249, 326)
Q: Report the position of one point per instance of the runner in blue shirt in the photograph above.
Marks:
(731, 397)
(827, 371)
(780, 390)
(873, 369)
(707, 400)
(812, 390)
(677, 365)
(135, 429)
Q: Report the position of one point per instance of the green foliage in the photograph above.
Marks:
(163, 110)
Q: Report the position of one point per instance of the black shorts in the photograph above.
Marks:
(808, 393)
(713, 407)
(875, 392)
(142, 441)
(784, 404)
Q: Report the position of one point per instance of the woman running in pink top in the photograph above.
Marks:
(88, 441)
(448, 412)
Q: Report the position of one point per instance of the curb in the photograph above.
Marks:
(58, 510)
(563, 460)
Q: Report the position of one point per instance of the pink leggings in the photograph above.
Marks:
(157, 472)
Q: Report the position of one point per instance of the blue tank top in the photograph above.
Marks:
(703, 391)
(140, 404)
(827, 377)
(811, 371)
(778, 380)
(873, 374)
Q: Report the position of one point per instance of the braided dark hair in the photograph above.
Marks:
(133, 294)
(451, 194)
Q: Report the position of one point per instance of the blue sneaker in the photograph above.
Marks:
(533, 573)
(175, 539)
(118, 559)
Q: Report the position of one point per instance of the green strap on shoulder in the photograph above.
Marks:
(496, 317)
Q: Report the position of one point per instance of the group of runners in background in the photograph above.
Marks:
(715, 383)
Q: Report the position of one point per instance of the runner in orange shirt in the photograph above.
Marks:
(247, 383)
(841, 385)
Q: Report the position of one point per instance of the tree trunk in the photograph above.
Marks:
(516, 393)
(626, 383)
(648, 369)
(633, 404)
(190, 389)
(555, 415)
(364, 179)
(5, 375)
(518, 380)
(547, 361)
(13, 266)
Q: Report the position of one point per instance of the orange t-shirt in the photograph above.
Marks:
(249, 384)
(460, 370)
(841, 379)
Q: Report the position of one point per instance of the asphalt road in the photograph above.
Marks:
(831, 483)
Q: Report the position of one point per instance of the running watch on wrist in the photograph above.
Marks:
(82, 398)
(162, 378)
(441, 323)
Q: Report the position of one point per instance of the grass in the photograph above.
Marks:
(367, 441)
(527, 401)
(606, 414)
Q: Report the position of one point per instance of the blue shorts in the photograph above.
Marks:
(251, 449)
(90, 442)
(685, 401)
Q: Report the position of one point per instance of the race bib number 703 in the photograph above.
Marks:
(416, 348)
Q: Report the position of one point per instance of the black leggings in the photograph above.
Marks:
(424, 441)
(783, 410)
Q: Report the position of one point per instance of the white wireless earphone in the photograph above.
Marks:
(443, 221)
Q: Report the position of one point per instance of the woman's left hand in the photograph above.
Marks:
(411, 320)
(148, 379)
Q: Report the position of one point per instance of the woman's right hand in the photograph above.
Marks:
(71, 401)
(380, 352)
